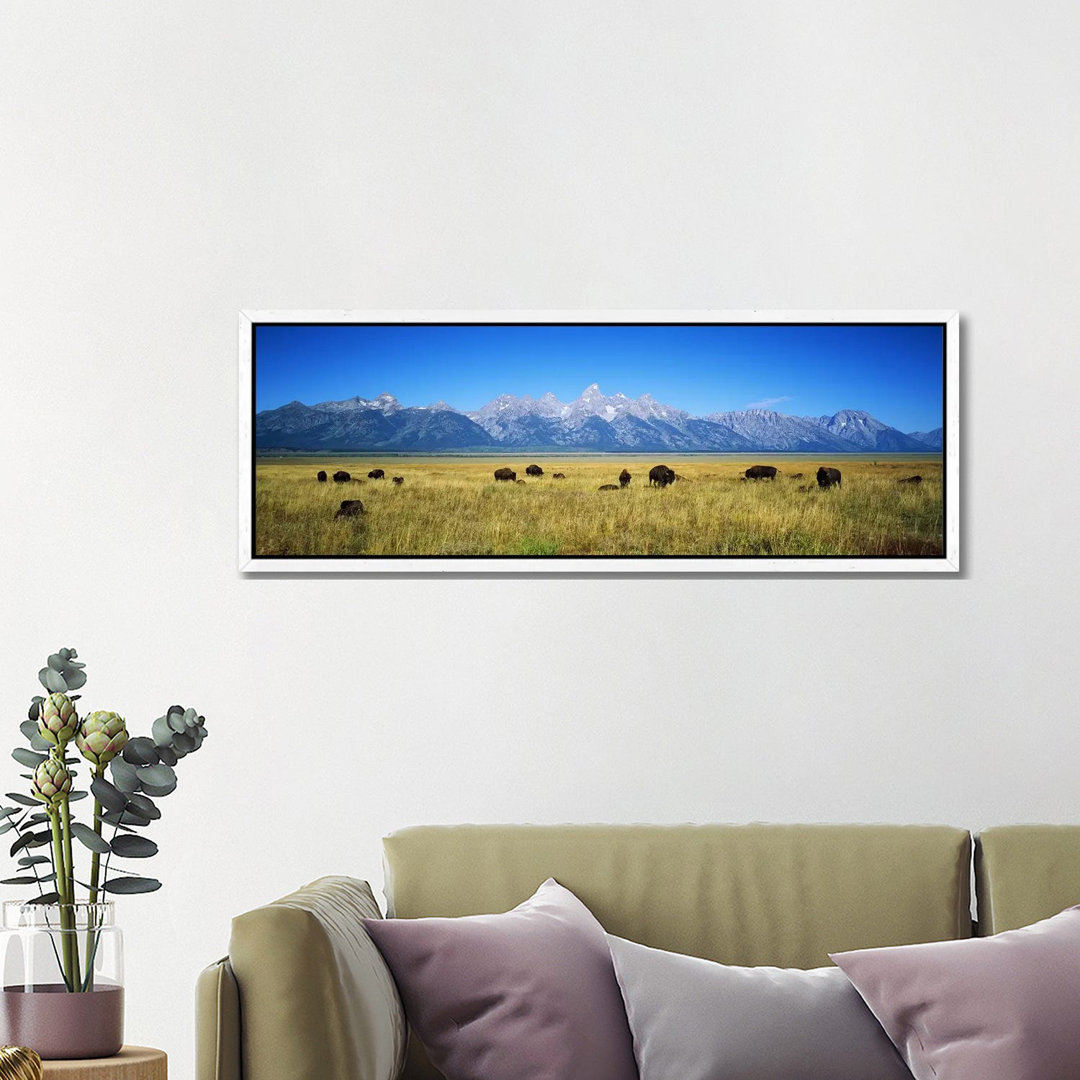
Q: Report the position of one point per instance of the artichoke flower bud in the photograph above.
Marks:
(52, 783)
(101, 736)
(57, 719)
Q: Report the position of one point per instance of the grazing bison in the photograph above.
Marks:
(761, 472)
(624, 478)
(341, 477)
(505, 474)
(828, 477)
(321, 476)
(558, 476)
(350, 508)
(795, 476)
(910, 480)
(661, 476)
(534, 470)
(376, 474)
(608, 487)
(399, 479)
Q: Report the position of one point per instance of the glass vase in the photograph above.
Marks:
(63, 989)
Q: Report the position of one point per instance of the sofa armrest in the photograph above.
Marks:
(315, 999)
(217, 1024)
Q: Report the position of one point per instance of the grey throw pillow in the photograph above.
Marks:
(694, 1019)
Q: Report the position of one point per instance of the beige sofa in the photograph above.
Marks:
(302, 995)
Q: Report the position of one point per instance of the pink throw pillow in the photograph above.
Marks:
(1005, 1007)
(529, 994)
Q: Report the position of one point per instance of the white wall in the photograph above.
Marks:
(164, 165)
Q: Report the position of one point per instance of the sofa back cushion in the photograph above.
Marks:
(1025, 873)
(781, 895)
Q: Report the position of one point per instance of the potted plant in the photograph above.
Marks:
(62, 953)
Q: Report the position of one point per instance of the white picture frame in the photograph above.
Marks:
(947, 562)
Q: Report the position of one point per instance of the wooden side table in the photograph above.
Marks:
(132, 1063)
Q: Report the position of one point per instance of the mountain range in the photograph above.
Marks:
(594, 421)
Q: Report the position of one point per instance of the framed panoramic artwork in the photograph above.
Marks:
(599, 442)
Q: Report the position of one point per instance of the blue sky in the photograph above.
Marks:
(893, 372)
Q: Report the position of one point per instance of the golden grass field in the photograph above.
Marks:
(453, 506)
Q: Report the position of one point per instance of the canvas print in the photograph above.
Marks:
(375, 441)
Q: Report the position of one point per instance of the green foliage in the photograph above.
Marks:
(142, 769)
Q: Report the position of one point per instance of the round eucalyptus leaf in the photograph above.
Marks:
(29, 727)
(141, 751)
(28, 757)
(106, 794)
(144, 806)
(161, 731)
(134, 847)
(129, 885)
(32, 714)
(183, 744)
(124, 775)
(53, 681)
(166, 755)
(176, 720)
(90, 839)
(157, 775)
(159, 792)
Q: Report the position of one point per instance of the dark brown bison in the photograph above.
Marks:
(376, 474)
(341, 477)
(558, 476)
(761, 472)
(827, 477)
(534, 470)
(608, 487)
(795, 476)
(910, 480)
(321, 476)
(661, 476)
(624, 478)
(399, 479)
(350, 508)
(505, 474)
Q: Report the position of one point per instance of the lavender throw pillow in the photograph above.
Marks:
(526, 995)
(694, 1019)
(1003, 1007)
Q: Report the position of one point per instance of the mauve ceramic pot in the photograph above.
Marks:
(60, 1025)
